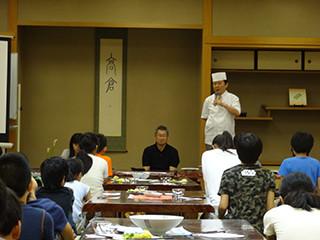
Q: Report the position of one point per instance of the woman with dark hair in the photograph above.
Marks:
(74, 148)
(215, 162)
(299, 215)
(223, 141)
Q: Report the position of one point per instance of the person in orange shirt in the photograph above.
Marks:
(102, 149)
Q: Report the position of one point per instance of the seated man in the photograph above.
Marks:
(15, 173)
(247, 190)
(160, 156)
(301, 145)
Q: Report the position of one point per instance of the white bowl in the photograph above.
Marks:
(156, 224)
(140, 175)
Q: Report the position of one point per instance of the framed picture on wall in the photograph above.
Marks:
(297, 97)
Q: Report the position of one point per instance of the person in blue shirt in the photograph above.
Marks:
(54, 171)
(10, 214)
(301, 145)
(61, 226)
(15, 172)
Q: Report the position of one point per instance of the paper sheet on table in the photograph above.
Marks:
(126, 229)
(111, 194)
(95, 236)
(219, 235)
(178, 231)
(191, 198)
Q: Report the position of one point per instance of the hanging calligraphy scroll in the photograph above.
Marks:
(111, 57)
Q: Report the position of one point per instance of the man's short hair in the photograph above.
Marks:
(10, 210)
(53, 171)
(102, 139)
(15, 172)
(162, 128)
(302, 142)
(88, 142)
(249, 148)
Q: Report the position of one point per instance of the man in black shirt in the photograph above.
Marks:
(160, 156)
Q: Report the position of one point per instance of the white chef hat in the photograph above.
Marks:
(219, 76)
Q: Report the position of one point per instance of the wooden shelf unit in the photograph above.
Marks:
(291, 108)
(269, 109)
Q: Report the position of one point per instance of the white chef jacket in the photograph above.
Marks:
(218, 118)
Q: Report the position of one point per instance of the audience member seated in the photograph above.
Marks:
(37, 224)
(247, 190)
(61, 226)
(10, 214)
(298, 216)
(101, 151)
(160, 156)
(301, 145)
(53, 174)
(94, 178)
(74, 148)
(81, 191)
(215, 162)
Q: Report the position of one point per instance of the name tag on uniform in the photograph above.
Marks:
(248, 173)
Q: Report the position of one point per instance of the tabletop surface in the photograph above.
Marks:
(118, 201)
(228, 226)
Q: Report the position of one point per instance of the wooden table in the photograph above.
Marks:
(189, 209)
(241, 227)
(195, 175)
(158, 186)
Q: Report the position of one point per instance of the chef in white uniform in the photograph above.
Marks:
(219, 109)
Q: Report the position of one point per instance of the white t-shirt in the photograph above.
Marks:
(95, 176)
(65, 153)
(214, 163)
(218, 118)
(80, 190)
(289, 223)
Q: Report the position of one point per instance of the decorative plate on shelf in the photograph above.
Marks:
(297, 97)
